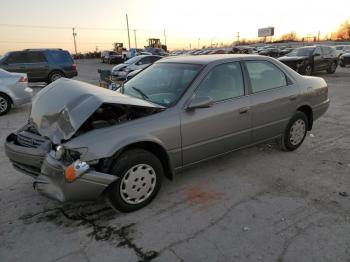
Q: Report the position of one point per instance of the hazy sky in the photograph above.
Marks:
(184, 21)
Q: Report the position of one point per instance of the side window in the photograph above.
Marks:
(223, 82)
(17, 58)
(264, 76)
(36, 57)
(154, 58)
(318, 50)
(145, 61)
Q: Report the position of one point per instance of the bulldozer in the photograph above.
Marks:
(155, 43)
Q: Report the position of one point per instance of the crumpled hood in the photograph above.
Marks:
(62, 107)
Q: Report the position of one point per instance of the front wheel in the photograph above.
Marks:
(295, 132)
(332, 68)
(139, 175)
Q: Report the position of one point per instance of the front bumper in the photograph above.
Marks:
(49, 173)
(52, 182)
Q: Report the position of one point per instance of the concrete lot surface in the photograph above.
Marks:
(259, 204)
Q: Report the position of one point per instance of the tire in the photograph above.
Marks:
(54, 75)
(307, 70)
(341, 64)
(332, 68)
(135, 168)
(109, 61)
(5, 104)
(299, 125)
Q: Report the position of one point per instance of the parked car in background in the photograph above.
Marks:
(271, 51)
(344, 60)
(285, 51)
(178, 112)
(217, 51)
(342, 49)
(119, 72)
(40, 65)
(14, 90)
(310, 59)
(111, 57)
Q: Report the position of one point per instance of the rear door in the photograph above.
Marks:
(225, 126)
(37, 66)
(273, 98)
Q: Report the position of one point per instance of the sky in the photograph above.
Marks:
(99, 23)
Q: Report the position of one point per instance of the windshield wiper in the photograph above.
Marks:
(141, 93)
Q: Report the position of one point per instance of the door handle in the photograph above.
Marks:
(293, 98)
(244, 110)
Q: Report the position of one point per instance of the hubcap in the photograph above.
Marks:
(138, 184)
(55, 77)
(297, 132)
(3, 104)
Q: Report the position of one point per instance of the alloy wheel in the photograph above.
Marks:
(3, 104)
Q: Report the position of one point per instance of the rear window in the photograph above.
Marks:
(60, 57)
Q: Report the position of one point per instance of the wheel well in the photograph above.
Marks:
(158, 151)
(4, 94)
(308, 112)
(56, 70)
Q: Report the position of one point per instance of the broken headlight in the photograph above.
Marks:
(69, 155)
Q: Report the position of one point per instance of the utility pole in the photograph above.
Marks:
(127, 25)
(237, 37)
(199, 42)
(75, 43)
(190, 47)
(164, 37)
(135, 38)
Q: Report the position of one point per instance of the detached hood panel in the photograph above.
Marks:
(62, 107)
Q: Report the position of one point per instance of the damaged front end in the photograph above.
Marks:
(62, 111)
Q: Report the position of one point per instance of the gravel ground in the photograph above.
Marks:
(258, 204)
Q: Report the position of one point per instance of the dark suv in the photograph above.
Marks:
(41, 65)
(309, 59)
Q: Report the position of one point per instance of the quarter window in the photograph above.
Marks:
(264, 76)
(223, 82)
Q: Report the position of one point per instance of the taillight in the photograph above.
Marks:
(74, 66)
(23, 79)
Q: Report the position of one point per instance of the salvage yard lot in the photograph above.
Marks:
(258, 204)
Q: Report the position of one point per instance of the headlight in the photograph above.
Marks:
(59, 152)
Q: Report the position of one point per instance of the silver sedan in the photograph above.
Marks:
(14, 90)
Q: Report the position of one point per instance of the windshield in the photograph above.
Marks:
(162, 83)
(301, 52)
(132, 60)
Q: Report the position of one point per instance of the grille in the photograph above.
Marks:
(27, 139)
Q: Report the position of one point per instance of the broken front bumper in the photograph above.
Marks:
(49, 174)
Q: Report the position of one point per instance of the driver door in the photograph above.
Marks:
(225, 125)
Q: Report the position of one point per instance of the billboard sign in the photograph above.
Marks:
(267, 31)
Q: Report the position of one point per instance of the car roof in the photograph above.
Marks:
(205, 59)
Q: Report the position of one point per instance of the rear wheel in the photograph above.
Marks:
(341, 64)
(140, 173)
(5, 104)
(295, 132)
(332, 68)
(55, 75)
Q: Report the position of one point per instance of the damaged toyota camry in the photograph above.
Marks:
(82, 142)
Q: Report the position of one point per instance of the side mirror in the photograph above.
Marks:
(200, 102)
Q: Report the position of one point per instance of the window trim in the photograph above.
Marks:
(227, 99)
(289, 82)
